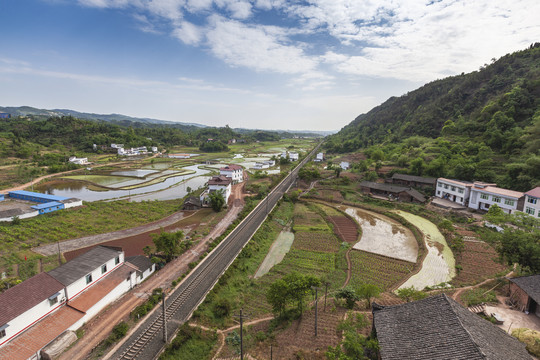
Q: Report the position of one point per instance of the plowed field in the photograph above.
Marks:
(316, 241)
(479, 262)
(345, 228)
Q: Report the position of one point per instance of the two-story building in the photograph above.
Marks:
(532, 202)
(38, 310)
(217, 183)
(453, 190)
(235, 172)
(483, 195)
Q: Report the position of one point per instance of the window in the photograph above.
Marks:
(460, 191)
(532, 200)
(439, 185)
(103, 269)
(509, 202)
(529, 210)
(453, 188)
(117, 260)
(445, 186)
(88, 278)
(438, 192)
(496, 199)
(2, 333)
(484, 196)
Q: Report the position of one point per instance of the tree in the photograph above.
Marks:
(292, 288)
(337, 170)
(277, 296)
(410, 294)
(349, 295)
(217, 200)
(170, 244)
(417, 166)
(495, 215)
(368, 292)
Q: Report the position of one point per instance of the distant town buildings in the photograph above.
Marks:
(5, 115)
(78, 161)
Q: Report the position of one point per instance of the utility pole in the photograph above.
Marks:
(164, 320)
(59, 255)
(241, 316)
(316, 301)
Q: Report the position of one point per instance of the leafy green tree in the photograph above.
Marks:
(217, 200)
(496, 215)
(417, 166)
(277, 296)
(349, 295)
(292, 288)
(368, 292)
(337, 171)
(410, 294)
(170, 244)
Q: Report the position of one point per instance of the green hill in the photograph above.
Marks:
(494, 112)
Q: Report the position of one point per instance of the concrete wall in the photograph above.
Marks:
(73, 204)
(227, 190)
(30, 317)
(534, 209)
(80, 285)
(478, 203)
(456, 193)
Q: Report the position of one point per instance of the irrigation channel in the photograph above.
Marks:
(147, 341)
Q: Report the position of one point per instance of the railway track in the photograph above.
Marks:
(143, 343)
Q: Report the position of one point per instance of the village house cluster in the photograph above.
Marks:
(122, 151)
(228, 175)
(40, 309)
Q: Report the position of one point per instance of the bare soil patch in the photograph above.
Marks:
(479, 262)
(345, 228)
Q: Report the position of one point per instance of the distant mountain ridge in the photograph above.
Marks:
(122, 119)
(28, 110)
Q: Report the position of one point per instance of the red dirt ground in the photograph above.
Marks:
(478, 260)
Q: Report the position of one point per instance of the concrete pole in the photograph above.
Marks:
(164, 321)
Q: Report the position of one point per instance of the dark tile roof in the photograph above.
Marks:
(75, 269)
(24, 296)
(439, 328)
(383, 187)
(415, 194)
(220, 180)
(529, 284)
(419, 179)
(193, 200)
(142, 263)
(231, 167)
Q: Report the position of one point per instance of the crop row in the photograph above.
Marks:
(316, 241)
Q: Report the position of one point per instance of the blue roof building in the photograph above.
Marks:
(35, 197)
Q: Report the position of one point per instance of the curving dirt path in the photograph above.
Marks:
(349, 268)
(460, 290)
(99, 327)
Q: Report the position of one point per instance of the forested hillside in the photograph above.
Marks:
(483, 126)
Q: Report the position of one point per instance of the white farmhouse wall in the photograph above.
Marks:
(507, 204)
(451, 191)
(31, 316)
(532, 206)
(73, 204)
(226, 190)
(80, 285)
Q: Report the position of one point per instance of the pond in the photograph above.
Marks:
(383, 235)
(174, 187)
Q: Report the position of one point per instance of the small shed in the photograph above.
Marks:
(414, 181)
(192, 203)
(525, 293)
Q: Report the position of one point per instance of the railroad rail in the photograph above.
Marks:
(180, 304)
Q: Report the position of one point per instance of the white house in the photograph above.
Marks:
(532, 202)
(38, 310)
(319, 157)
(453, 190)
(293, 156)
(217, 183)
(235, 172)
(344, 165)
(269, 162)
(154, 149)
(78, 161)
(260, 166)
(484, 195)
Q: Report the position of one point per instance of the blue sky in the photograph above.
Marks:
(270, 64)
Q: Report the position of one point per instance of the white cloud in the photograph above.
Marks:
(189, 33)
(262, 48)
(105, 3)
(239, 9)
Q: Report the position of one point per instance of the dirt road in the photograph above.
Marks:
(97, 329)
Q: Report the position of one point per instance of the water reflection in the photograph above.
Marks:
(178, 188)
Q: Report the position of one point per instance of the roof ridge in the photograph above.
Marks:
(477, 347)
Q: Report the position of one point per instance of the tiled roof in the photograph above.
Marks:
(419, 179)
(24, 296)
(383, 187)
(415, 194)
(231, 167)
(457, 182)
(534, 192)
(75, 269)
(529, 284)
(26, 345)
(142, 263)
(502, 192)
(439, 328)
(220, 180)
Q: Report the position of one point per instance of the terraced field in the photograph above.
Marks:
(316, 241)
(378, 270)
(479, 262)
